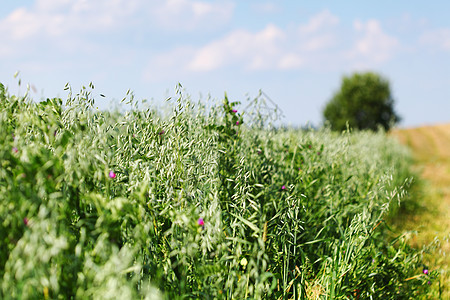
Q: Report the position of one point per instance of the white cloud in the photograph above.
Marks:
(71, 27)
(55, 18)
(252, 50)
(270, 48)
(21, 25)
(323, 20)
(73, 24)
(373, 45)
(321, 43)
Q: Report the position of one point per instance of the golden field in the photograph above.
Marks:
(430, 213)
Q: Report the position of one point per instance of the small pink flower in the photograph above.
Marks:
(15, 150)
(234, 111)
(425, 271)
(201, 222)
(283, 187)
(237, 122)
(112, 174)
(25, 221)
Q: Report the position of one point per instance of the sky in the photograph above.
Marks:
(296, 52)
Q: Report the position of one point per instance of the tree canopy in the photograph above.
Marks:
(364, 101)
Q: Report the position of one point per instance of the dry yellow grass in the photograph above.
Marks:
(431, 217)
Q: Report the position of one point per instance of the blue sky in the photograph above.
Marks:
(295, 51)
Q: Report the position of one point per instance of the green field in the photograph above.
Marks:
(198, 201)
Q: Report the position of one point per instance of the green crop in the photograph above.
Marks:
(204, 202)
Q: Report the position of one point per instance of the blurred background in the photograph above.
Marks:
(295, 51)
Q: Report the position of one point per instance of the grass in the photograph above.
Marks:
(207, 201)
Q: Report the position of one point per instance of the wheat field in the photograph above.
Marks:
(430, 215)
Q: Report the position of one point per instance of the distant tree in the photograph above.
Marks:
(364, 101)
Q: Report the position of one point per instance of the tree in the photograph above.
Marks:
(364, 101)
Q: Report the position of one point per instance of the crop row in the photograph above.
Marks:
(203, 202)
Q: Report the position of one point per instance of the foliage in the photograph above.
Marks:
(196, 204)
(364, 101)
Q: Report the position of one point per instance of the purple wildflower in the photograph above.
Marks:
(161, 132)
(237, 122)
(201, 222)
(112, 174)
(283, 187)
(425, 271)
(15, 150)
(234, 111)
(25, 221)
